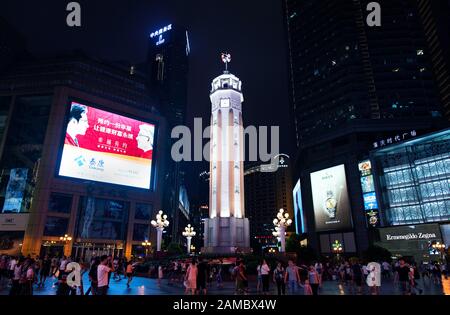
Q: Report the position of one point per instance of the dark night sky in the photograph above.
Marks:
(251, 30)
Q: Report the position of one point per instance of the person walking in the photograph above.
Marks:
(258, 278)
(15, 288)
(314, 280)
(292, 277)
(103, 272)
(93, 276)
(242, 280)
(357, 275)
(129, 272)
(219, 276)
(279, 275)
(319, 268)
(27, 277)
(191, 278)
(437, 274)
(45, 270)
(265, 271)
(404, 277)
(414, 278)
(202, 276)
(160, 274)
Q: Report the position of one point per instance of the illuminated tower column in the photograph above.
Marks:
(227, 229)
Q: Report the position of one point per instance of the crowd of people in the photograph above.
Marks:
(198, 275)
(23, 274)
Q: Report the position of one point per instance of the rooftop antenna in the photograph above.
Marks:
(226, 58)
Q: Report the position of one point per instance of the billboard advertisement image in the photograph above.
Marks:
(15, 190)
(330, 199)
(106, 147)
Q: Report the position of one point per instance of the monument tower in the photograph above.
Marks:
(226, 229)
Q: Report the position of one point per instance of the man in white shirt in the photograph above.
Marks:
(12, 266)
(102, 275)
(62, 267)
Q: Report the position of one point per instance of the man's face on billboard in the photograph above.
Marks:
(144, 140)
(82, 125)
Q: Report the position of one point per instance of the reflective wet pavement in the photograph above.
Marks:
(146, 286)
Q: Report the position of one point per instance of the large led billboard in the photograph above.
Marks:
(330, 199)
(106, 147)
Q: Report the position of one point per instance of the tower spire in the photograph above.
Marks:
(226, 58)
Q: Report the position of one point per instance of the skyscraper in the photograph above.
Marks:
(167, 65)
(352, 85)
(434, 15)
(267, 191)
(227, 229)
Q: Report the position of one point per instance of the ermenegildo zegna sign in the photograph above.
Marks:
(424, 232)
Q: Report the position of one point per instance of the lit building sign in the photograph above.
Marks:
(161, 31)
(159, 34)
(369, 196)
(106, 147)
(394, 139)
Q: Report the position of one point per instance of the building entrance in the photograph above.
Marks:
(86, 251)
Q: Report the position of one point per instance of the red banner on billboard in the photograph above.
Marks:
(107, 147)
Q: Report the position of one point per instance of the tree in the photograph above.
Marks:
(304, 253)
(293, 243)
(174, 249)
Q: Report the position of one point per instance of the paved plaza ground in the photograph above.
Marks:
(146, 286)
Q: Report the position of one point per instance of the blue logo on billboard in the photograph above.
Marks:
(97, 165)
(80, 161)
(370, 201)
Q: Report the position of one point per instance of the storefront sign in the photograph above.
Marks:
(13, 221)
(410, 236)
(422, 232)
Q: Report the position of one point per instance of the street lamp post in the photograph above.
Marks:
(160, 223)
(281, 222)
(441, 248)
(65, 240)
(337, 248)
(146, 245)
(189, 233)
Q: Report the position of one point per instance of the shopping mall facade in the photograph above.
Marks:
(412, 183)
(103, 188)
(396, 196)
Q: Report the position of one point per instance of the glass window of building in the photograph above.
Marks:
(414, 179)
(143, 211)
(102, 219)
(22, 150)
(56, 226)
(141, 232)
(60, 203)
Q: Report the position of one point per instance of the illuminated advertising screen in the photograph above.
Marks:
(106, 147)
(15, 190)
(369, 195)
(330, 199)
(300, 226)
(370, 201)
(367, 184)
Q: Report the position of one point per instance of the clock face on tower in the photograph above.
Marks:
(225, 102)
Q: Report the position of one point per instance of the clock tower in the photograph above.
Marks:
(226, 229)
